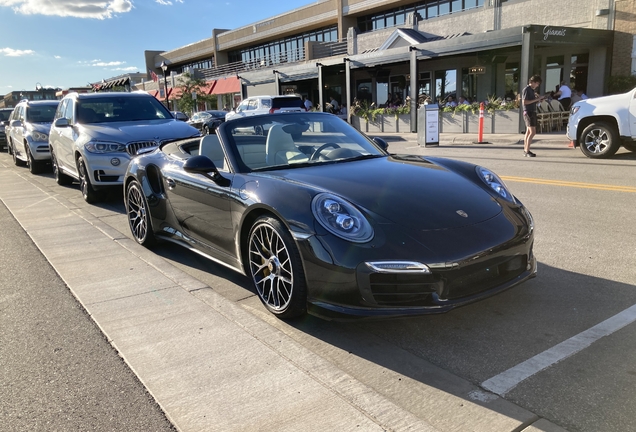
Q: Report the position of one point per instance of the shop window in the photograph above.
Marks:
(469, 88)
(363, 91)
(512, 80)
(445, 84)
(579, 71)
(382, 91)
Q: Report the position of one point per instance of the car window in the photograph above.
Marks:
(288, 102)
(300, 140)
(4, 115)
(108, 109)
(68, 110)
(59, 112)
(252, 104)
(266, 103)
(242, 106)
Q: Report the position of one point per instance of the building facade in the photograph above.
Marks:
(372, 50)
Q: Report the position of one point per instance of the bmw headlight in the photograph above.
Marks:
(104, 147)
(341, 218)
(574, 109)
(495, 183)
(39, 136)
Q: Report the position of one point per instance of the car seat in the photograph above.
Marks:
(280, 148)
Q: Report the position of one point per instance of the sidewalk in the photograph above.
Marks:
(214, 366)
(447, 139)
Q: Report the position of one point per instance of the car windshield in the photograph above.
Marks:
(295, 140)
(4, 115)
(108, 109)
(217, 114)
(40, 113)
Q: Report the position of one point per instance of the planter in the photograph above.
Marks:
(375, 125)
(404, 123)
(389, 123)
(451, 122)
(472, 123)
(359, 123)
(506, 122)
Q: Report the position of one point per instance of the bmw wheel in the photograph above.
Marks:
(16, 161)
(599, 141)
(276, 269)
(89, 193)
(60, 178)
(139, 215)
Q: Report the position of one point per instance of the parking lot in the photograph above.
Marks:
(559, 347)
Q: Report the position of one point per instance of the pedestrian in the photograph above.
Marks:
(308, 104)
(529, 99)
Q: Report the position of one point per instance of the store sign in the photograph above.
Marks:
(477, 70)
(550, 31)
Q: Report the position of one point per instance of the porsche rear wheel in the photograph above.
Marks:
(138, 215)
(276, 269)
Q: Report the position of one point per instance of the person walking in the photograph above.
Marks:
(529, 101)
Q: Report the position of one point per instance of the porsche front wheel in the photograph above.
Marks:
(276, 269)
(139, 215)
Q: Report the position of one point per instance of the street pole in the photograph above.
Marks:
(164, 68)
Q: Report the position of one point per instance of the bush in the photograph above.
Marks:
(621, 83)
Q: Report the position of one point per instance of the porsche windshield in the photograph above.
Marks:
(278, 141)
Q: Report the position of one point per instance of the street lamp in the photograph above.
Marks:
(164, 68)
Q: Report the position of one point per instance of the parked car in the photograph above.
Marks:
(207, 121)
(5, 113)
(323, 219)
(95, 135)
(28, 133)
(180, 115)
(601, 125)
(266, 105)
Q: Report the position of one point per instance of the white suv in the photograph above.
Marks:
(266, 105)
(601, 125)
(95, 135)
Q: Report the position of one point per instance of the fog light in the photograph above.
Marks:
(115, 161)
(398, 267)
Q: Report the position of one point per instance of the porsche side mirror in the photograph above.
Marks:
(203, 165)
(382, 143)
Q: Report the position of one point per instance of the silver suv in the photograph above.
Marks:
(28, 133)
(266, 105)
(5, 113)
(95, 135)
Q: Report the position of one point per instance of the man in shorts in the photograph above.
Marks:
(529, 101)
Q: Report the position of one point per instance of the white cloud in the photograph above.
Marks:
(57, 57)
(127, 69)
(106, 64)
(98, 9)
(10, 52)
(167, 2)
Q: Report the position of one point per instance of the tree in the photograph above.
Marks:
(189, 84)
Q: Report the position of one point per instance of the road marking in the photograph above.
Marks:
(614, 188)
(507, 380)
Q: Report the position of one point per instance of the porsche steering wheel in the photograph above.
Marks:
(319, 150)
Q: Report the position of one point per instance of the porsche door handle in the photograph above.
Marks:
(171, 183)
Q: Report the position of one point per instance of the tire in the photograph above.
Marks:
(90, 195)
(139, 215)
(599, 141)
(60, 178)
(16, 161)
(630, 146)
(276, 269)
(35, 167)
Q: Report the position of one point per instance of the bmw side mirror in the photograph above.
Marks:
(381, 143)
(62, 122)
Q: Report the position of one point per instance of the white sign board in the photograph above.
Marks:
(432, 126)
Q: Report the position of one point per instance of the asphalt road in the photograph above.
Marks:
(571, 329)
(58, 372)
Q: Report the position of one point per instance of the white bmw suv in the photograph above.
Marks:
(255, 105)
(95, 135)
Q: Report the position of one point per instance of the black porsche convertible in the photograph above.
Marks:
(325, 220)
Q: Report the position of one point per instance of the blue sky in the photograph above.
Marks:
(65, 43)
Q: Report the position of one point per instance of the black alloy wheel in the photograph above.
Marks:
(599, 141)
(89, 193)
(60, 178)
(276, 269)
(139, 215)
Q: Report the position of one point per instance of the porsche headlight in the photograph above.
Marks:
(39, 136)
(341, 218)
(104, 147)
(495, 183)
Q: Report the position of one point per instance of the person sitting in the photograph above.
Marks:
(450, 103)
(307, 103)
(463, 101)
(565, 95)
(335, 105)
